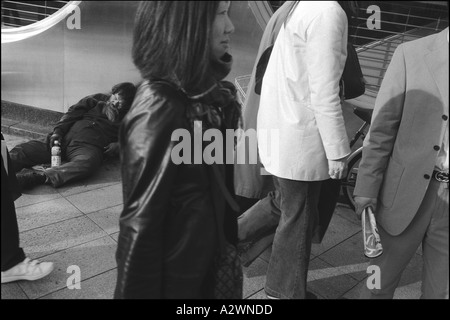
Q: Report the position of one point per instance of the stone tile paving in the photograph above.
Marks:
(77, 225)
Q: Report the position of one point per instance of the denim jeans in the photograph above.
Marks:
(288, 266)
(257, 225)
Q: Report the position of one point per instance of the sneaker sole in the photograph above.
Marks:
(28, 278)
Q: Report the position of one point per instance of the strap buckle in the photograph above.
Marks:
(441, 176)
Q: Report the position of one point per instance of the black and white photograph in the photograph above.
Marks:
(224, 155)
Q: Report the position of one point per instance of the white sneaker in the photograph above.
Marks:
(27, 270)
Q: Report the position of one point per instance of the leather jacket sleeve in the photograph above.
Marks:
(148, 174)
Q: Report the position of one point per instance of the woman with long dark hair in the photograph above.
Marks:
(177, 211)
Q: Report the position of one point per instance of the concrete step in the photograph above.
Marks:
(24, 129)
(27, 121)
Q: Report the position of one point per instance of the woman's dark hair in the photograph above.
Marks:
(171, 41)
(127, 91)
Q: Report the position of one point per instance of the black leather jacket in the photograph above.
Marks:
(168, 228)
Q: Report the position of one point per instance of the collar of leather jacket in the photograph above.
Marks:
(218, 108)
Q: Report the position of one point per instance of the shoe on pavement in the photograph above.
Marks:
(27, 270)
(29, 179)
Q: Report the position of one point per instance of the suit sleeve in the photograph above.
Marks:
(325, 59)
(386, 118)
(148, 175)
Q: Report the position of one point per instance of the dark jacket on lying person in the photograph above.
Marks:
(86, 122)
(86, 133)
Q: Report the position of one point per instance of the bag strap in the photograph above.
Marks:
(217, 176)
(229, 199)
(263, 60)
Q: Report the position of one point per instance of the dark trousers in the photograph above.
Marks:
(288, 266)
(429, 228)
(79, 160)
(12, 254)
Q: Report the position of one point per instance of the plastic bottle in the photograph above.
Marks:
(56, 154)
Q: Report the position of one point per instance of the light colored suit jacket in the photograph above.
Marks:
(300, 124)
(408, 125)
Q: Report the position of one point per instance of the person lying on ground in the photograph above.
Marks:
(86, 133)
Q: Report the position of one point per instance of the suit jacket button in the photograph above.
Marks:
(445, 117)
(427, 176)
(436, 148)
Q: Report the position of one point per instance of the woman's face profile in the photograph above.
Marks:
(221, 30)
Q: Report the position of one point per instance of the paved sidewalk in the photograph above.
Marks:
(77, 225)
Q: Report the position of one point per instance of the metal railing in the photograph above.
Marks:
(376, 47)
(375, 57)
(400, 22)
(23, 13)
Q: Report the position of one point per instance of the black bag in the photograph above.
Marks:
(328, 198)
(228, 276)
(352, 78)
(261, 69)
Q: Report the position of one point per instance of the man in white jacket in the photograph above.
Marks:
(301, 134)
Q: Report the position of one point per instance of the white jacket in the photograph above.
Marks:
(300, 124)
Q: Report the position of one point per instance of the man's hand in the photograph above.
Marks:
(53, 137)
(337, 169)
(362, 202)
(112, 149)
